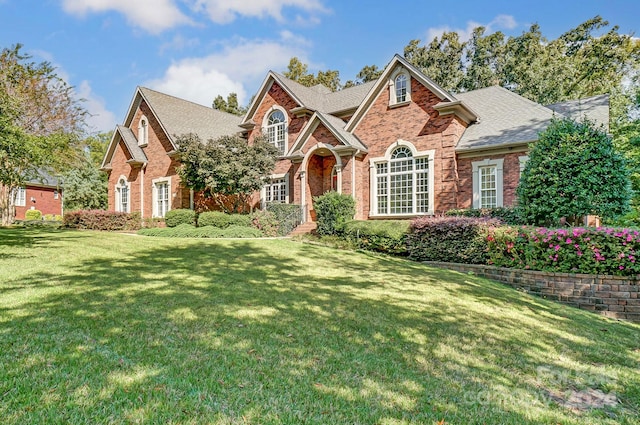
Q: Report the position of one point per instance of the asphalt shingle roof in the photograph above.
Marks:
(595, 108)
(131, 142)
(338, 127)
(179, 116)
(505, 119)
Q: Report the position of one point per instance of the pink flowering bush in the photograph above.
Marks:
(576, 250)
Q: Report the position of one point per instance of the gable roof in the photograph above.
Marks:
(507, 119)
(335, 125)
(447, 98)
(595, 108)
(44, 179)
(176, 117)
(125, 135)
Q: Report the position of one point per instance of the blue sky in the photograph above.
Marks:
(197, 49)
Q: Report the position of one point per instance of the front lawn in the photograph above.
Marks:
(113, 328)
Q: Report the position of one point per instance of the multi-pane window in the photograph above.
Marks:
(488, 187)
(122, 194)
(402, 184)
(20, 197)
(276, 127)
(401, 88)
(276, 191)
(162, 198)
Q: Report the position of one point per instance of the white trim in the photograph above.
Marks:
(393, 98)
(523, 162)
(19, 197)
(118, 194)
(154, 197)
(373, 181)
(263, 191)
(265, 123)
(353, 176)
(143, 131)
(142, 190)
(476, 166)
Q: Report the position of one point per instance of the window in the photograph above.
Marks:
(401, 88)
(161, 197)
(402, 183)
(276, 191)
(143, 131)
(487, 183)
(56, 195)
(122, 195)
(276, 130)
(20, 197)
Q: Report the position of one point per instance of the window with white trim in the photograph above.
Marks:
(161, 197)
(487, 183)
(143, 131)
(400, 87)
(123, 196)
(276, 130)
(403, 182)
(20, 197)
(56, 194)
(277, 190)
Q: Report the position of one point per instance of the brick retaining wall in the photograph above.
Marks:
(617, 297)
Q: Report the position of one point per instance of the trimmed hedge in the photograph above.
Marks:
(190, 231)
(101, 220)
(450, 239)
(508, 215)
(266, 222)
(333, 209)
(32, 215)
(601, 250)
(388, 236)
(222, 220)
(180, 216)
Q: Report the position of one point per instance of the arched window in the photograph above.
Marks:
(401, 88)
(276, 130)
(402, 183)
(122, 196)
(143, 131)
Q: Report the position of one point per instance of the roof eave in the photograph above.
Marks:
(458, 108)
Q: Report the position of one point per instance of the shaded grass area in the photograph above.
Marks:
(111, 328)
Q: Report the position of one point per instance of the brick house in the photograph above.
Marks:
(43, 193)
(401, 145)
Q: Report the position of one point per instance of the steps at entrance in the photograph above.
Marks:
(304, 228)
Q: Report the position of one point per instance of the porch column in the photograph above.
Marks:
(339, 177)
(303, 195)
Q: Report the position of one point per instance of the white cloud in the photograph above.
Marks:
(499, 22)
(225, 11)
(239, 66)
(100, 118)
(179, 42)
(153, 16)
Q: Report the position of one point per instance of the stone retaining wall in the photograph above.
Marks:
(617, 297)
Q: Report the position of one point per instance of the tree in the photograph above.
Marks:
(441, 60)
(299, 71)
(40, 123)
(85, 187)
(573, 170)
(228, 170)
(483, 53)
(366, 74)
(230, 105)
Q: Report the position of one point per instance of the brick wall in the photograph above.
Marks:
(612, 296)
(42, 199)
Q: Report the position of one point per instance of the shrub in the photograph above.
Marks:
(222, 220)
(288, 216)
(576, 250)
(52, 217)
(31, 215)
(180, 216)
(333, 209)
(189, 231)
(102, 220)
(389, 236)
(508, 215)
(266, 222)
(450, 239)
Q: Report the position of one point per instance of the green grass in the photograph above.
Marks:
(113, 328)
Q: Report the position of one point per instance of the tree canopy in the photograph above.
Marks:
(228, 169)
(230, 105)
(573, 170)
(41, 123)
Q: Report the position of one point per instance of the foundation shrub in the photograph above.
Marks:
(450, 239)
(223, 220)
(180, 216)
(31, 215)
(102, 220)
(388, 236)
(333, 209)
